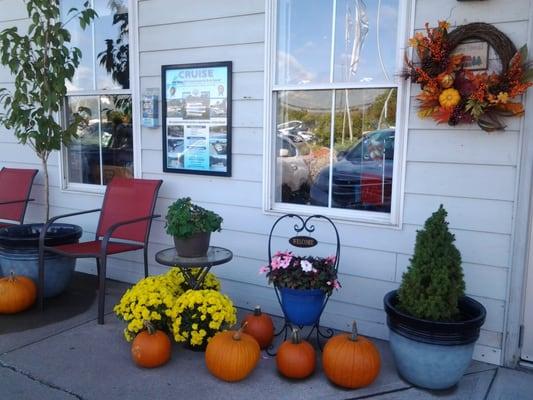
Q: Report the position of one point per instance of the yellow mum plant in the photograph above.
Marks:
(151, 299)
(198, 315)
(148, 300)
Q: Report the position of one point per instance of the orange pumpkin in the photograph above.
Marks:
(296, 358)
(151, 347)
(260, 326)
(232, 355)
(351, 361)
(17, 293)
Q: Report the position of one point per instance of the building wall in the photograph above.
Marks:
(474, 174)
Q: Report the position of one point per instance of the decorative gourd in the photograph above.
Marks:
(296, 358)
(260, 326)
(151, 347)
(232, 355)
(17, 293)
(351, 361)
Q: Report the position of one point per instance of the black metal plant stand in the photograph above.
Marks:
(303, 228)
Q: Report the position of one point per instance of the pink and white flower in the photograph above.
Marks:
(306, 266)
(331, 259)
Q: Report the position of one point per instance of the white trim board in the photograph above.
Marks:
(516, 283)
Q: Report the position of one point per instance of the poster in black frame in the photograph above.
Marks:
(196, 114)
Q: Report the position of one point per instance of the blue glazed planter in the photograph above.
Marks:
(430, 366)
(58, 269)
(302, 307)
(433, 354)
(19, 253)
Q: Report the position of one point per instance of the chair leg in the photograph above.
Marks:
(40, 283)
(98, 271)
(101, 290)
(145, 262)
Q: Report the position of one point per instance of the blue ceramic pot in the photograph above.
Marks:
(302, 307)
(433, 354)
(19, 252)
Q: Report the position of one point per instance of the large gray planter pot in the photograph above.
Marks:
(19, 253)
(429, 354)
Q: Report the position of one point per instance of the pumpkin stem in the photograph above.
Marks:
(257, 311)
(149, 327)
(237, 334)
(353, 336)
(295, 337)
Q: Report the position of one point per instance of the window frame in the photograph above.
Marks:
(270, 206)
(133, 91)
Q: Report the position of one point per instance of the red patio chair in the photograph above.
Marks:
(15, 188)
(124, 225)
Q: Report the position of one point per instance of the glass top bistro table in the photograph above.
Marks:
(202, 265)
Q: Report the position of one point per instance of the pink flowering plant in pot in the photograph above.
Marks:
(288, 270)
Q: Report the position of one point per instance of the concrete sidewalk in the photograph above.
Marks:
(78, 359)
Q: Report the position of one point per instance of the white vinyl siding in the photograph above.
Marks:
(472, 173)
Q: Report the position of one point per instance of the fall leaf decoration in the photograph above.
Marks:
(453, 94)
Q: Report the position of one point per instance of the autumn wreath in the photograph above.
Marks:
(454, 94)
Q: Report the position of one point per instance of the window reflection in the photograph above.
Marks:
(112, 45)
(83, 76)
(117, 137)
(304, 41)
(363, 152)
(83, 153)
(104, 147)
(302, 142)
(104, 63)
(366, 41)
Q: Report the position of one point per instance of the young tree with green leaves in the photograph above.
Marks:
(41, 62)
(433, 283)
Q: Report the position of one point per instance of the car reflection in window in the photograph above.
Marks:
(362, 175)
(292, 170)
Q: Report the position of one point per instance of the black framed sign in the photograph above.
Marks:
(196, 117)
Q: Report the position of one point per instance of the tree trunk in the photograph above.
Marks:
(46, 188)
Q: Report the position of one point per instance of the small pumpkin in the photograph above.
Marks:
(260, 326)
(446, 80)
(17, 293)
(350, 360)
(232, 355)
(151, 347)
(296, 358)
(449, 98)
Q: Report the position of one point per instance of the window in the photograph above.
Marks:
(100, 92)
(334, 102)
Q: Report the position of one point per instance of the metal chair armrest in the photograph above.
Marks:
(52, 220)
(2, 203)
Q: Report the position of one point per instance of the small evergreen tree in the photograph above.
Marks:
(433, 283)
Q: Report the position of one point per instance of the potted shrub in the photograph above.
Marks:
(303, 284)
(433, 325)
(191, 227)
(41, 62)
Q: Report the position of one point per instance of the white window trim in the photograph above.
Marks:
(133, 37)
(395, 217)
